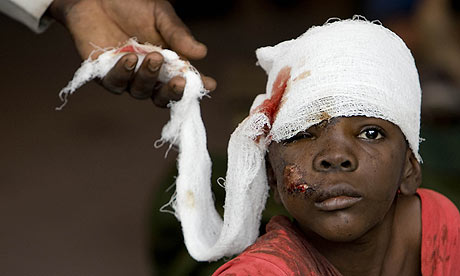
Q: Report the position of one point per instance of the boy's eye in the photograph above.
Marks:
(371, 133)
(298, 136)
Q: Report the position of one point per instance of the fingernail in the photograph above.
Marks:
(153, 66)
(130, 64)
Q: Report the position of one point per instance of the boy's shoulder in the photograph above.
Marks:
(283, 250)
(440, 234)
(435, 202)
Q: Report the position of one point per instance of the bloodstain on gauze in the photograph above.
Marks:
(271, 106)
(293, 180)
(131, 49)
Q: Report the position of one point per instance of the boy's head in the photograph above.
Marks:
(345, 129)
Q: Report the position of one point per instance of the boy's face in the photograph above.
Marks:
(339, 179)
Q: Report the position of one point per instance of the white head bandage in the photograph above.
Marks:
(345, 68)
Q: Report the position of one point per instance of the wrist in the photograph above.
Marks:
(60, 8)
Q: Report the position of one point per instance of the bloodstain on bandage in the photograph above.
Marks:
(131, 49)
(270, 107)
(293, 180)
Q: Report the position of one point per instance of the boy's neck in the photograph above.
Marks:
(383, 250)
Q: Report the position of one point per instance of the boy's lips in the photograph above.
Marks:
(337, 203)
(336, 197)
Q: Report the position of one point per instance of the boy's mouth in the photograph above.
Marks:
(336, 197)
(337, 203)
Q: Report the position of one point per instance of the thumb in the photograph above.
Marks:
(174, 32)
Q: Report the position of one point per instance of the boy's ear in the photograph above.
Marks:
(412, 174)
(272, 180)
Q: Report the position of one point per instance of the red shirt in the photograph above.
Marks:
(283, 250)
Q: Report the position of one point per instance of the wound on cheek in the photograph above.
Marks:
(294, 180)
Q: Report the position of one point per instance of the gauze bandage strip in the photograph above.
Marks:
(207, 236)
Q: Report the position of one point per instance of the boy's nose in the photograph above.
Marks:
(335, 160)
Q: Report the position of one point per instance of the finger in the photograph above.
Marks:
(146, 78)
(176, 34)
(209, 83)
(171, 92)
(118, 78)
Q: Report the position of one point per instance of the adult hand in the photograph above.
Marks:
(109, 23)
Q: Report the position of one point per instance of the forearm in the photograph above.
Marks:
(29, 12)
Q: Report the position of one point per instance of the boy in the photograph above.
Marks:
(343, 111)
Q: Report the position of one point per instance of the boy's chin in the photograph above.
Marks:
(341, 231)
(342, 235)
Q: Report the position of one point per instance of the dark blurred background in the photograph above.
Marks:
(80, 189)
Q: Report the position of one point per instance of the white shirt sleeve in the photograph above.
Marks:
(29, 12)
